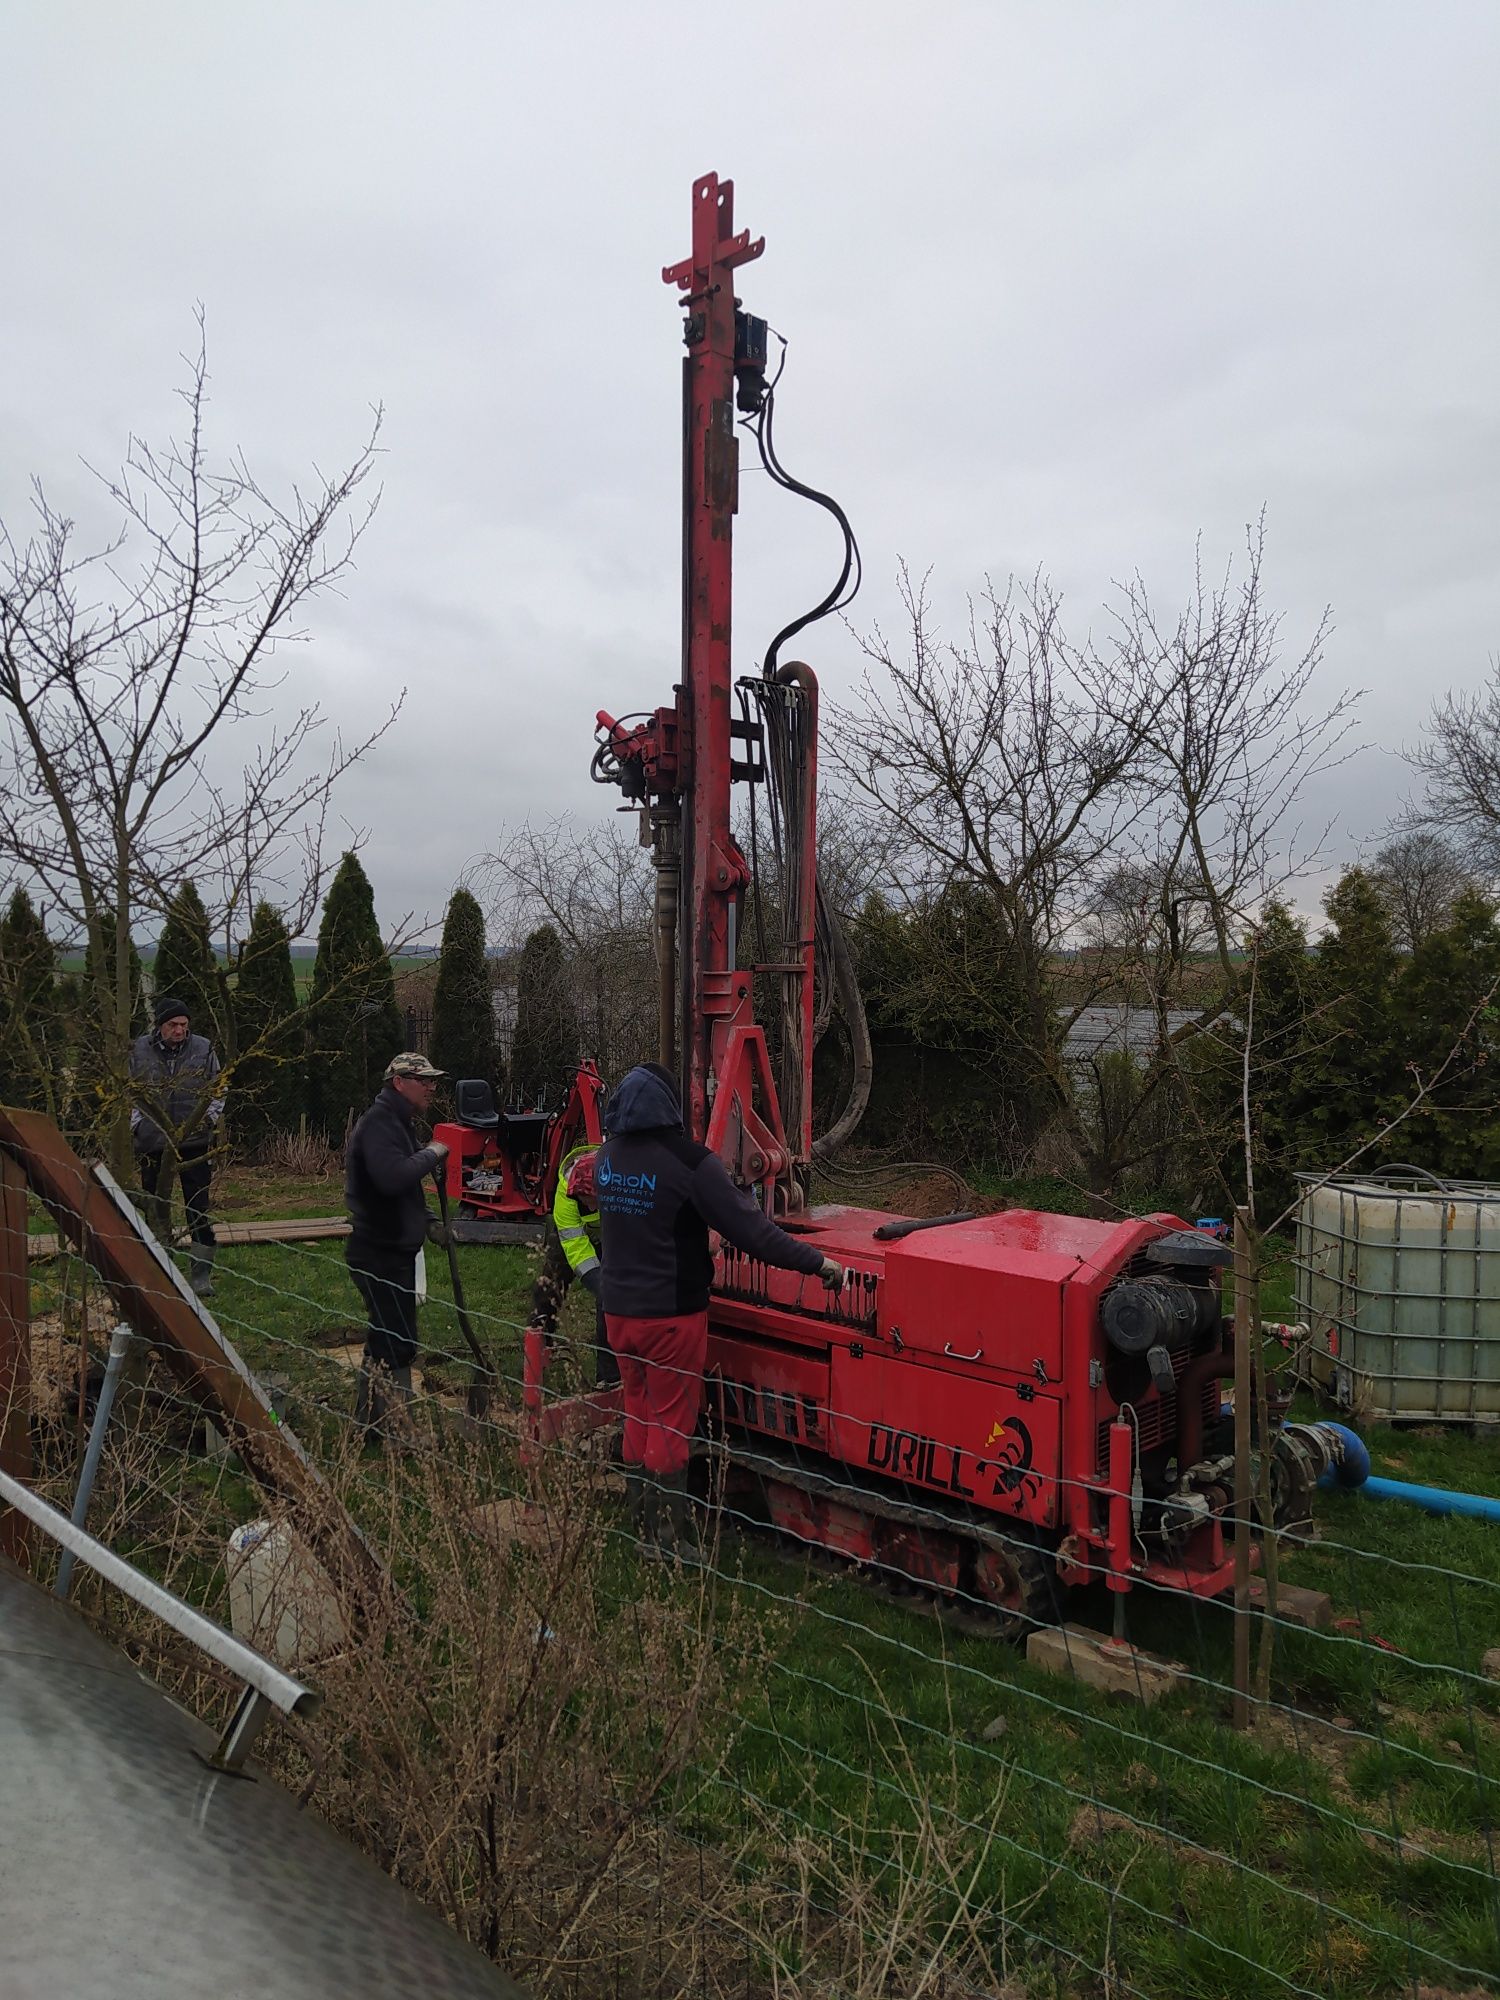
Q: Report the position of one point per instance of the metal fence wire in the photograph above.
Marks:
(766, 1772)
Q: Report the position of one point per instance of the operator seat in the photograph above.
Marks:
(474, 1102)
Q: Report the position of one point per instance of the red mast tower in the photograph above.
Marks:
(681, 762)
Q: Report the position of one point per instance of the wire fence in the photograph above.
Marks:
(772, 1771)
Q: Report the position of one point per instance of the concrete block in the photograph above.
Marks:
(1079, 1654)
(1311, 1609)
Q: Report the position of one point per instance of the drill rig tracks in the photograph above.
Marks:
(976, 1578)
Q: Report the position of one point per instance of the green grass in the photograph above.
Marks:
(1187, 1859)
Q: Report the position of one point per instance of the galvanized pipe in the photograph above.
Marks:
(120, 1343)
(284, 1693)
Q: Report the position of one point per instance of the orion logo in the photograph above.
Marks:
(633, 1183)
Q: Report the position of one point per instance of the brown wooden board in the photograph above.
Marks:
(15, 1351)
(94, 1214)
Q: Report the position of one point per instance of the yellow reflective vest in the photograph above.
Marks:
(577, 1227)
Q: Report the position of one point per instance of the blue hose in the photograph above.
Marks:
(1349, 1460)
(1435, 1499)
(1349, 1467)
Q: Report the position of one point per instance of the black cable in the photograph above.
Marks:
(762, 427)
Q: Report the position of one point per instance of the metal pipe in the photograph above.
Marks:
(120, 1343)
(284, 1693)
(668, 861)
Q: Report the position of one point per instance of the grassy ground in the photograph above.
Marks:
(1344, 1847)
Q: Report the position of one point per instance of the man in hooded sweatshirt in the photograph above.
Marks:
(659, 1194)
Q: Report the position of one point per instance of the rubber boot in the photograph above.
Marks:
(365, 1404)
(652, 1514)
(635, 1501)
(677, 1525)
(201, 1269)
(382, 1399)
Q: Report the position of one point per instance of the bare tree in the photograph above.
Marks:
(1127, 811)
(594, 885)
(999, 761)
(1420, 875)
(1460, 763)
(130, 677)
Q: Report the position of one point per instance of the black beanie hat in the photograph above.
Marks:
(168, 1008)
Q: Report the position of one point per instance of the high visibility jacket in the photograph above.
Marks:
(578, 1227)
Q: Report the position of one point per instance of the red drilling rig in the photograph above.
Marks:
(994, 1405)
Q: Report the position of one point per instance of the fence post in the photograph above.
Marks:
(1242, 1474)
(15, 1353)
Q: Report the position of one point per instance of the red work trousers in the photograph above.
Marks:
(661, 1376)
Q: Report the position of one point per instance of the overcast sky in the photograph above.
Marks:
(1064, 285)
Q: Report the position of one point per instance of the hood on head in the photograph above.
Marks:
(646, 1101)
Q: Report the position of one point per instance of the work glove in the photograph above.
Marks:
(833, 1274)
(590, 1280)
(439, 1153)
(436, 1233)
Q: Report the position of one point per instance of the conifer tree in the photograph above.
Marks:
(353, 1025)
(1444, 1013)
(463, 1012)
(30, 1017)
(185, 963)
(266, 1090)
(1275, 1033)
(544, 1053)
(1359, 1070)
(99, 1091)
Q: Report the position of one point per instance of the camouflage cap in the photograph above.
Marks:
(409, 1063)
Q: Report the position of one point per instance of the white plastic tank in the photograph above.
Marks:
(280, 1599)
(1398, 1276)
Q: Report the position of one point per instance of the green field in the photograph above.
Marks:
(1343, 1847)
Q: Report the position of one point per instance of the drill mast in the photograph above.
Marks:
(680, 764)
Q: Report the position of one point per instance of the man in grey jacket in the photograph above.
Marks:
(659, 1195)
(176, 1107)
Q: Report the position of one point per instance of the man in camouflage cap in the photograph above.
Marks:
(384, 1168)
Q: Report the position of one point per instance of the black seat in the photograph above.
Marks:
(475, 1103)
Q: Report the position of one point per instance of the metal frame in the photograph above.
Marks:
(1459, 1384)
(266, 1686)
(121, 1342)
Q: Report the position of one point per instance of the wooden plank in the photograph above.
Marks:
(95, 1217)
(298, 1229)
(15, 1354)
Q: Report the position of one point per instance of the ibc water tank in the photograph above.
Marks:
(1398, 1276)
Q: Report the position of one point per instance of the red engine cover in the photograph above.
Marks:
(966, 1361)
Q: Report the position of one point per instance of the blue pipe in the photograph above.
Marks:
(1348, 1457)
(1349, 1467)
(1435, 1499)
